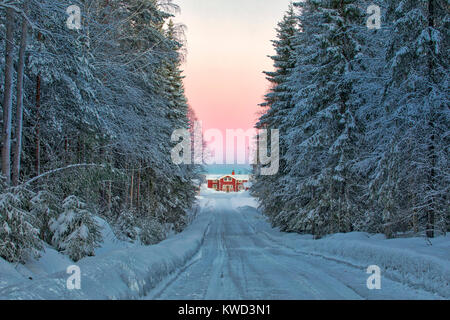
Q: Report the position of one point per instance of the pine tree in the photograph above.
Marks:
(44, 209)
(126, 225)
(76, 233)
(278, 100)
(278, 103)
(323, 131)
(19, 238)
(151, 231)
(416, 100)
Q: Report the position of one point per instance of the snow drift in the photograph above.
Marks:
(122, 274)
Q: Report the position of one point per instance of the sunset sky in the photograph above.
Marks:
(228, 42)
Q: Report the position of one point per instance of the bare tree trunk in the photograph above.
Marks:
(415, 223)
(126, 188)
(109, 197)
(131, 189)
(7, 96)
(138, 188)
(66, 150)
(431, 147)
(38, 126)
(19, 111)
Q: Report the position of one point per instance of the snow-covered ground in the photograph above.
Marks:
(231, 252)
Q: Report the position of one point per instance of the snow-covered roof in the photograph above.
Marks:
(236, 176)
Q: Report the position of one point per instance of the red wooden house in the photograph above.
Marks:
(228, 183)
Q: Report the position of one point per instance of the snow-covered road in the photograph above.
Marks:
(243, 258)
(231, 252)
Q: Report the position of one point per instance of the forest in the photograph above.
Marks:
(89, 108)
(364, 118)
(87, 119)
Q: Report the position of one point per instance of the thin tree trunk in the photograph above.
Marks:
(431, 147)
(84, 152)
(415, 223)
(131, 189)
(126, 188)
(19, 111)
(109, 197)
(38, 126)
(138, 188)
(7, 97)
(66, 150)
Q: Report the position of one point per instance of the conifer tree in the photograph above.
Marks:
(323, 135)
(76, 233)
(277, 104)
(19, 237)
(416, 100)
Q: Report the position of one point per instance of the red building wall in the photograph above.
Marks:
(221, 183)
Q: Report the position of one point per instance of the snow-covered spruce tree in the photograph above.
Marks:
(147, 58)
(417, 119)
(151, 231)
(178, 107)
(61, 86)
(324, 135)
(277, 104)
(44, 210)
(76, 232)
(19, 238)
(126, 225)
(371, 118)
(178, 116)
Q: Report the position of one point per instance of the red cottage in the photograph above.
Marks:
(228, 183)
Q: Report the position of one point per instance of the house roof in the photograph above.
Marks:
(218, 177)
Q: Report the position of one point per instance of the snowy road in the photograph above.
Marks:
(239, 259)
(230, 252)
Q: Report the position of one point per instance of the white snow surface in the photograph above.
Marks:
(231, 252)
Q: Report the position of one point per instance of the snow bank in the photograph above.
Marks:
(235, 200)
(8, 274)
(413, 261)
(110, 241)
(52, 261)
(121, 274)
(401, 263)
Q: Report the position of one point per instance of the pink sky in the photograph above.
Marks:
(228, 45)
